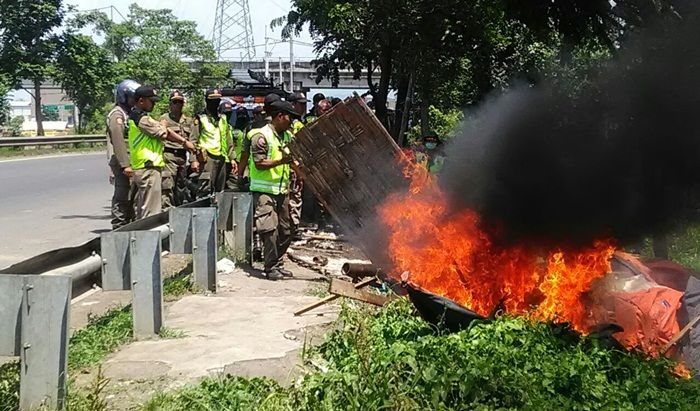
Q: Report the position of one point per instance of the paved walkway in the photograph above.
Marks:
(247, 328)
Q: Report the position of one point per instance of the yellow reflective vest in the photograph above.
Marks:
(274, 180)
(144, 148)
(212, 137)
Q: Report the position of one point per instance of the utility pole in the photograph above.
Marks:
(281, 75)
(267, 55)
(291, 63)
(233, 29)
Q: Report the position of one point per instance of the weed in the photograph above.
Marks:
(89, 398)
(9, 386)
(319, 290)
(100, 337)
(390, 359)
(171, 333)
(177, 286)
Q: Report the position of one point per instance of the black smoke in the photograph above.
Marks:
(620, 159)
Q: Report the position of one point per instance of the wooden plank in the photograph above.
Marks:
(332, 297)
(680, 334)
(347, 289)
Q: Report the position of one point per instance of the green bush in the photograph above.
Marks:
(443, 123)
(393, 360)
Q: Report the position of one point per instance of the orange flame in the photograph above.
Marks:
(449, 255)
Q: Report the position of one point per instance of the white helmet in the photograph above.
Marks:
(124, 90)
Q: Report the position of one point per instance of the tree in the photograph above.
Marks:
(4, 103)
(15, 126)
(155, 48)
(85, 72)
(457, 53)
(27, 43)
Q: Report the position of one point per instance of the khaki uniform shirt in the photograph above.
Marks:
(117, 132)
(183, 128)
(149, 125)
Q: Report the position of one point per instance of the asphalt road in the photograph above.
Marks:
(51, 202)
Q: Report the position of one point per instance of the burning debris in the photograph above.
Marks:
(456, 258)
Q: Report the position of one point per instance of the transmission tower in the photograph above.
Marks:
(233, 30)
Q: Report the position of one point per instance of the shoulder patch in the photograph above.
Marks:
(260, 141)
(120, 121)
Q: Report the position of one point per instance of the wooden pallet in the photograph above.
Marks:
(349, 161)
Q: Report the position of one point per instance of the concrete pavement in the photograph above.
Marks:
(51, 202)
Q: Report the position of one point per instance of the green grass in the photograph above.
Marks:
(319, 290)
(78, 148)
(102, 335)
(683, 247)
(171, 333)
(90, 346)
(177, 286)
(391, 360)
(9, 386)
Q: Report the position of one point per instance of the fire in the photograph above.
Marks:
(449, 255)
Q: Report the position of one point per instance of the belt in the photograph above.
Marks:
(177, 151)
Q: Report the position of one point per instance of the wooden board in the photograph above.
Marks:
(348, 289)
(349, 161)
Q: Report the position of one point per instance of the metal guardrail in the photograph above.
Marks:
(50, 141)
(35, 294)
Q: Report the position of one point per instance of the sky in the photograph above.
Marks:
(202, 12)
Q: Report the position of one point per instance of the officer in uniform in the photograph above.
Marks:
(269, 182)
(210, 131)
(296, 184)
(263, 120)
(118, 154)
(435, 156)
(319, 109)
(146, 146)
(174, 174)
(238, 133)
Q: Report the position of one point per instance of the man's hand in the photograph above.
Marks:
(190, 147)
(111, 177)
(128, 172)
(286, 159)
(234, 167)
(195, 166)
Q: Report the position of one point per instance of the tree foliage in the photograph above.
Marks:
(455, 54)
(28, 42)
(85, 72)
(155, 47)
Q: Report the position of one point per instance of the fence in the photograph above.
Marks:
(50, 141)
(35, 294)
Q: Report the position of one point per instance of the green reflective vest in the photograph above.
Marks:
(436, 164)
(212, 138)
(276, 179)
(296, 126)
(144, 148)
(238, 136)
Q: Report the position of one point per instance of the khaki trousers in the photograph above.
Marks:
(274, 226)
(173, 179)
(123, 197)
(147, 182)
(213, 179)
